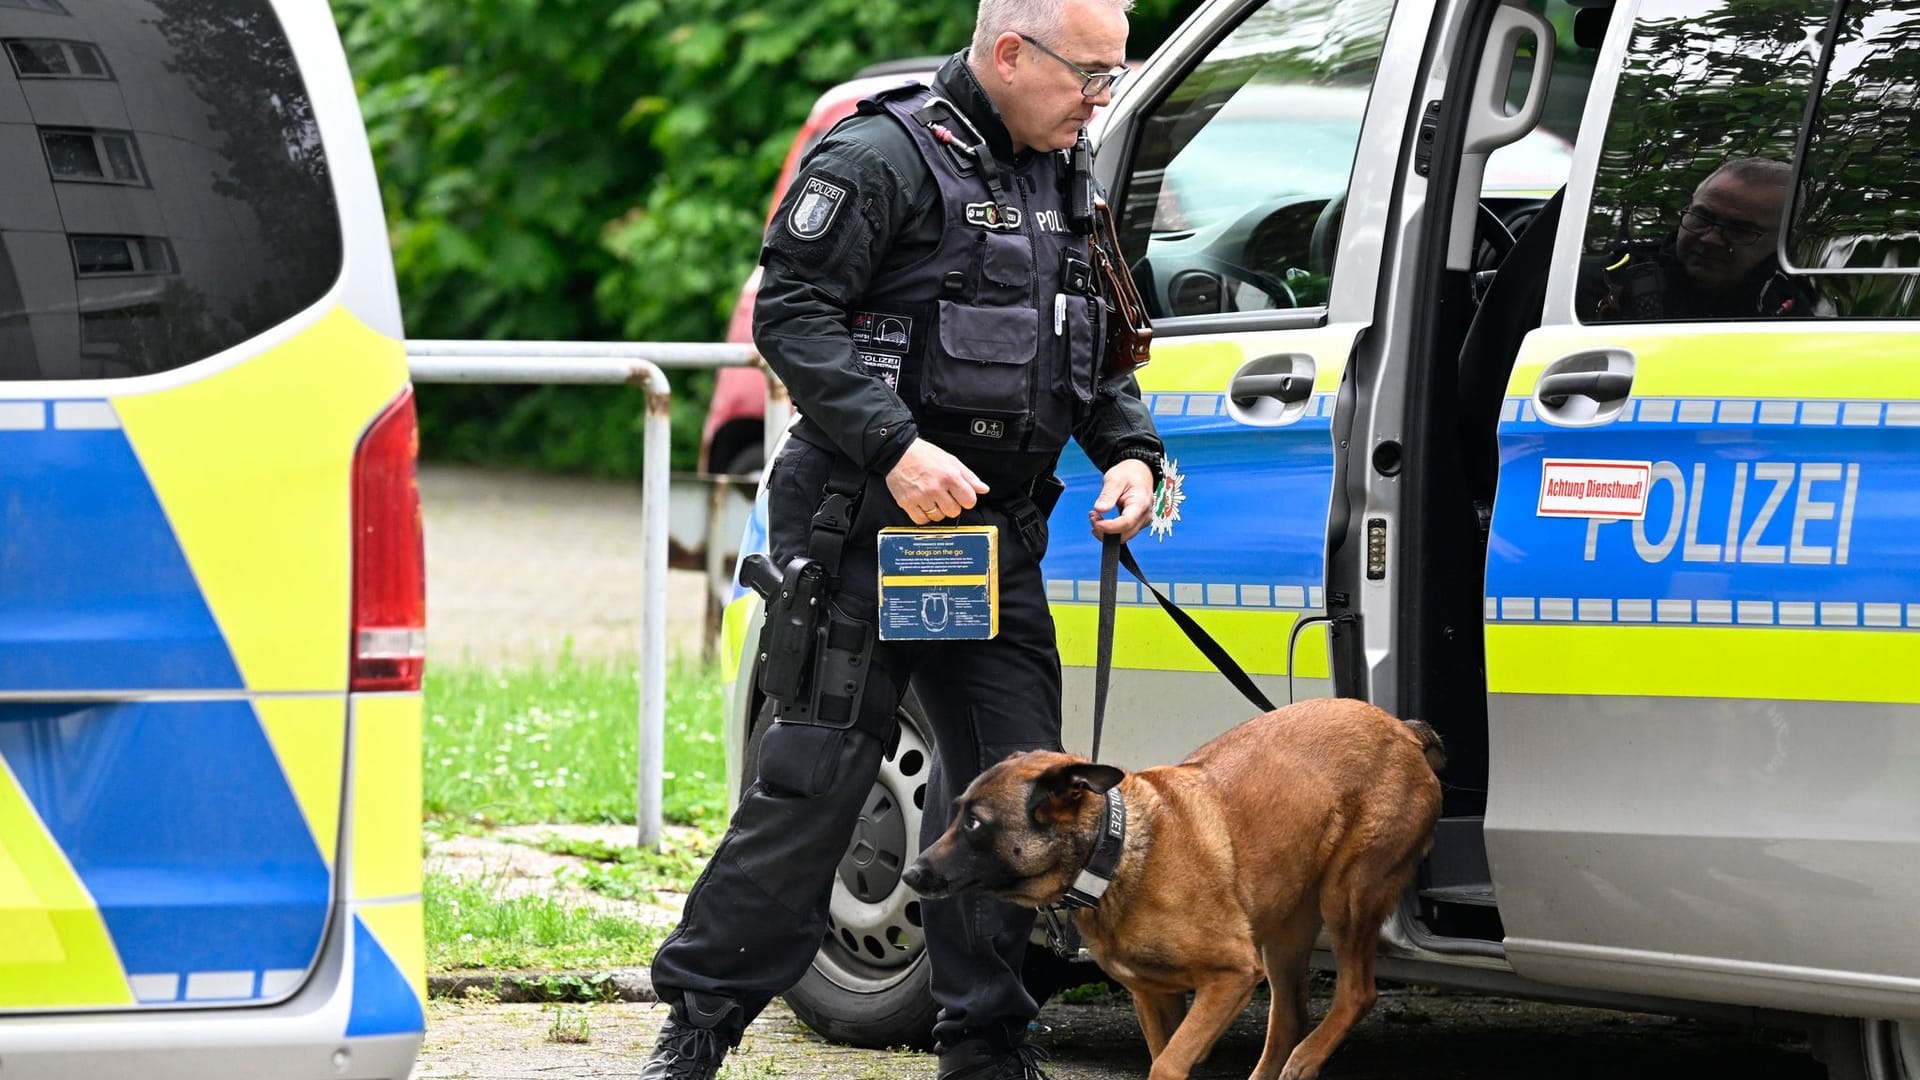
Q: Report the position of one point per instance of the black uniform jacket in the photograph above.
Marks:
(889, 220)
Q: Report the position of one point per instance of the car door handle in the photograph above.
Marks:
(1285, 387)
(1601, 386)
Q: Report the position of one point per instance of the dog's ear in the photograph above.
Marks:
(1089, 776)
(1058, 791)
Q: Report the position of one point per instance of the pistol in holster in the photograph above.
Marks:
(813, 658)
(796, 600)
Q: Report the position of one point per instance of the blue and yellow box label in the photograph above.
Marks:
(940, 584)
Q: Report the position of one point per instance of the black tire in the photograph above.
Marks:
(1868, 1049)
(749, 460)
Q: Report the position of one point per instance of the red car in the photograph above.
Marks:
(730, 442)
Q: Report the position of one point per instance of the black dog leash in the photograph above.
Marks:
(1113, 555)
(1091, 883)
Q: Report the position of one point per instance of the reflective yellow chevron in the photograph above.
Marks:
(54, 947)
(1774, 663)
(1147, 639)
(734, 624)
(401, 930)
(309, 736)
(1775, 363)
(253, 466)
(1206, 364)
(386, 796)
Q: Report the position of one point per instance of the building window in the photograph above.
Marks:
(52, 6)
(111, 256)
(48, 58)
(123, 334)
(106, 157)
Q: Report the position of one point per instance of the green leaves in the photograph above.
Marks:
(598, 169)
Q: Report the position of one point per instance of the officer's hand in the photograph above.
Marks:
(1128, 485)
(932, 485)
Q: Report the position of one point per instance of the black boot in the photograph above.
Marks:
(979, 1059)
(694, 1040)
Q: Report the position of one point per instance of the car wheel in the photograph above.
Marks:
(748, 461)
(1869, 1049)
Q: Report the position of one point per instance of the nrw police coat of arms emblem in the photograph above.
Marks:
(814, 211)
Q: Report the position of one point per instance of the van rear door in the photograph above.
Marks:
(181, 395)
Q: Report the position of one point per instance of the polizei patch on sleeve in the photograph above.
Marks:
(814, 211)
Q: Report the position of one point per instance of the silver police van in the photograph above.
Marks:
(1600, 457)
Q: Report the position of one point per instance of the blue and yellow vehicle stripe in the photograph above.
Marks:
(1282, 474)
(1775, 559)
(175, 617)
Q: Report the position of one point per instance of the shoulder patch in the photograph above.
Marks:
(816, 208)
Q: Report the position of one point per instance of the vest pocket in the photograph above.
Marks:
(979, 364)
(1084, 340)
(1007, 259)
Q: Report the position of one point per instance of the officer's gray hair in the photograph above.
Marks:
(1039, 18)
(1759, 171)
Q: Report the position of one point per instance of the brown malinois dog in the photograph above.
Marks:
(1209, 875)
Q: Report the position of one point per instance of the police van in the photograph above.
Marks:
(211, 577)
(1608, 474)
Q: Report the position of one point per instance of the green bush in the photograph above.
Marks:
(599, 170)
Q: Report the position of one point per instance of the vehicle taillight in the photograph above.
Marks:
(389, 555)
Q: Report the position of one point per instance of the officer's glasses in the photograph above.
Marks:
(1096, 84)
(1737, 233)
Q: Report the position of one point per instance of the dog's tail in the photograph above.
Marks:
(1430, 743)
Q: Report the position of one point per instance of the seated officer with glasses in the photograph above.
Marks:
(1719, 264)
(928, 301)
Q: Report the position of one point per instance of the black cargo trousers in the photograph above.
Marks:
(756, 916)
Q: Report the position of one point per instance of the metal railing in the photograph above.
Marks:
(626, 364)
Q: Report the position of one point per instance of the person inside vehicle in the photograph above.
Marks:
(928, 302)
(1719, 263)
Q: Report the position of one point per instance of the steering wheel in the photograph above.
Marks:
(1494, 233)
(1277, 292)
(1326, 231)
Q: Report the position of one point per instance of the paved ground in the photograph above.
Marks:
(1411, 1035)
(521, 566)
(525, 566)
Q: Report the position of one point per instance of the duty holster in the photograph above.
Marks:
(813, 658)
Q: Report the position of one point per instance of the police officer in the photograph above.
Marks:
(926, 299)
(1719, 263)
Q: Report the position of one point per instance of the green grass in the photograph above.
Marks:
(471, 925)
(628, 873)
(559, 744)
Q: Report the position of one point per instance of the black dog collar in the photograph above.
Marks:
(1091, 884)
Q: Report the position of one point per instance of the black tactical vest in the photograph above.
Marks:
(990, 339)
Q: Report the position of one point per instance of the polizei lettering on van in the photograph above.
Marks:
(1766, 512)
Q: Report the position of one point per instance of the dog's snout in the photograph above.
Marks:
(924, 879)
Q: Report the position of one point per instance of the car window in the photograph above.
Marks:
(163, 191)
(1230, 201)
(1857, 205)
(1708, 159)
